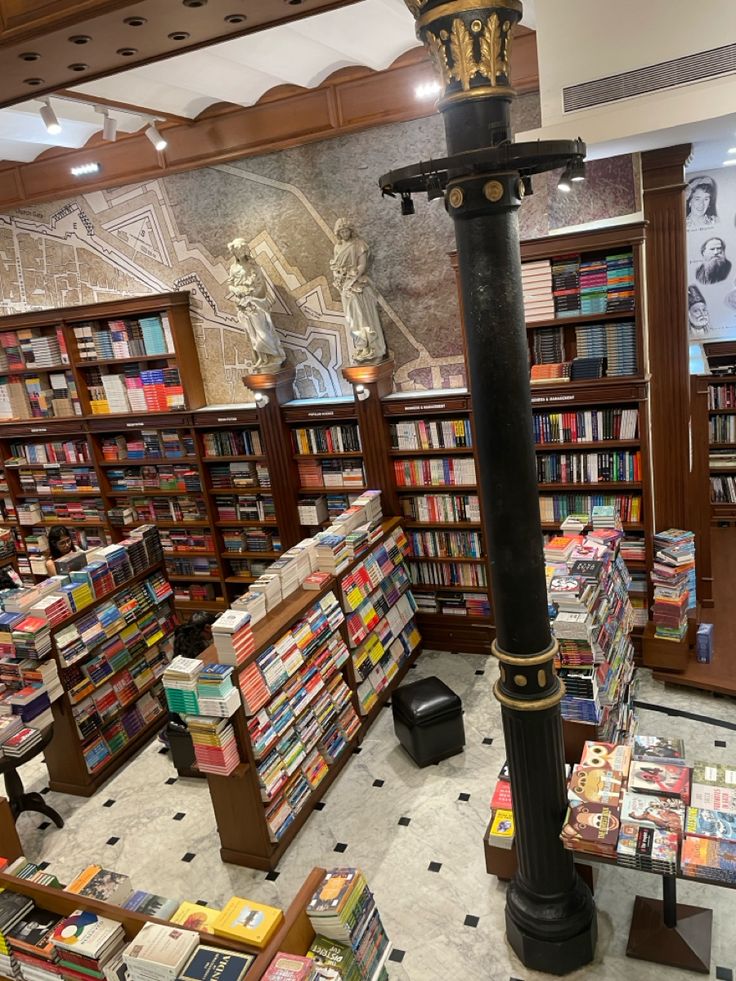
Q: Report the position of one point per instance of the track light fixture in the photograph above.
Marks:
(434, 187)
(155, 137)
(109, 126)
(362, 393)
(262, 400)
(528, 188)
(407, 204)
(50, 121)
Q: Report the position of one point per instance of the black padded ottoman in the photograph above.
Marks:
(428, 720)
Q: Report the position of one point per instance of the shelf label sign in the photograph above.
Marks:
(536, 400)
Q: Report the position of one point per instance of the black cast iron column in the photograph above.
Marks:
(550, 915)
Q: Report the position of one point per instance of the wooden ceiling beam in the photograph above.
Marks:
(97, 100)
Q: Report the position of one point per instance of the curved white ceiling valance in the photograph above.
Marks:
(372, 33)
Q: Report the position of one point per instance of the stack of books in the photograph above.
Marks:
(566, 286)
(216, 693)
(86, 944)
(232, 635)
(252, 602)
(159, 952)
(21, 742)
(673, 577)
(350, 935)
(536, 284)
(180, 684)
(269, 586)
(593, 817)
(215, 746)
(30, 943)
(14, 908)
(501, 825)
(312, 511)
(331, 553)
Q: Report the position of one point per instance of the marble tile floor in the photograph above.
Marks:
(417, 834)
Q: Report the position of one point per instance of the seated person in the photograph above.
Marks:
(190, 640)
(60, 543)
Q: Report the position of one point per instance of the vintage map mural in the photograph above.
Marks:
(172, 234)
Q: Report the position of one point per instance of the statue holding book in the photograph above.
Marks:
(248, 288)
(349, 266)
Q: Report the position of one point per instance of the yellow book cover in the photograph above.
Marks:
(253, 923)
(83, 879)
(195, 917)
(502, 825)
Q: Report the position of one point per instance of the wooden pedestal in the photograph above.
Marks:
(667, 655)
(280, 383)
(10, 846)
(685, 945)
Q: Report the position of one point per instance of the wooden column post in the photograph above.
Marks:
(663, 178)
(271, 391)
(371, 383)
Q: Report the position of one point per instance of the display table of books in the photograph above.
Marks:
(644, 807)
(98, 927)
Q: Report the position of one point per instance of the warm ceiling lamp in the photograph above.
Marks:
(50, 121)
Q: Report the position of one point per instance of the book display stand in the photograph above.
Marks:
(294, 935)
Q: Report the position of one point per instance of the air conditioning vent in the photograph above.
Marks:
(666, 75)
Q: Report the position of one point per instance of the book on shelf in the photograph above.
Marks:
(193, 916)
(213, 964)
(247, 921)
(94, 882)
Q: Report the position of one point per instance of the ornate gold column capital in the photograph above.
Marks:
(469, 43)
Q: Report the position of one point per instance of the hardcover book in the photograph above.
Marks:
(195, 917)
(212, 964)
(594, 785)
(713, 798)
(94, 882)
(606, 756)
(591, 827)
(654, 811)
(85, 933)
(253, 923)
(714, 774)
(151, 905)
(659, 749)
(711, 824)
(668, 779)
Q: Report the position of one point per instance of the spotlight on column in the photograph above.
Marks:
(528, 187)
(577, 171)
(434, 187)
(565, 182)
(362, 393)
(407, 204)
(52, 124)
(155, 137)
(261, 400)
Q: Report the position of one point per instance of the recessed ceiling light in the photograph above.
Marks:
(33, 81)
(78, 66)
(178, 35)
(29, 56)
(81, 170)
(80, 39)
(135, 21)
(127, 52)
(732, 149)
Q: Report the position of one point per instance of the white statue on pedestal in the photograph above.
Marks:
(248, 287)
(349, 264)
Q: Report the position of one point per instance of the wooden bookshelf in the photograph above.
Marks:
(65, 759)
(294, 935)
(239, 809)
(720, 395)
(429, 417)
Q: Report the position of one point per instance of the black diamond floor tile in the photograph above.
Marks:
(480, 672)
(463, 796)
(488, 741)
(434, 866)
(720, 743)
(108, 803)
(340, 847)
(404, 822)
(471, 921)
(43, 825)
(378, 783)
(179, 816)
(272, 876)
(200, 902)
(319, 806)
(358, 749)
(397, 955)
(171, 780)
(190, 856)
(46, 790)
(724, 974)
(43, 866)
(112, 841)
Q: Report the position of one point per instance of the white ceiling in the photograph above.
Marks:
(372, 33)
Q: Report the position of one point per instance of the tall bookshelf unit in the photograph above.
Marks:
(722, 448)
(434, 469)
(326, 444)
